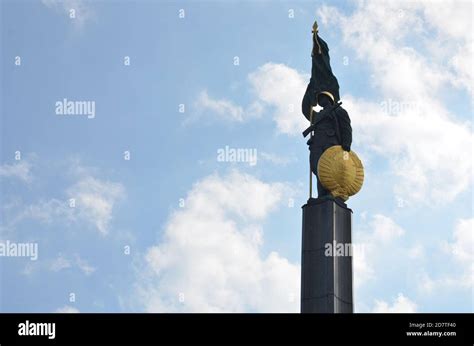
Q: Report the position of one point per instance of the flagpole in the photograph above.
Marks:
(310, 172)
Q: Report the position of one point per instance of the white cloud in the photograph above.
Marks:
(67, 310)
(77, 11)
(226, 109)
(363, 267)
(388, 30)
(462, 249)
(425, 284)
(385, 229)
(461, 252)
(278, 90)
(20, 170)
(455, 35)
(281, 87)
(48, 211)
(63, 262)
(60, 263)
(95, 200)
(417, 251)
(373, 244)
(210, 258)
(429, 149)
(423, 150)
(401, 304)
(44, 211)
(276, 159)
(84, 266)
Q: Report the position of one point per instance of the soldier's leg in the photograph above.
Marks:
(314, 156)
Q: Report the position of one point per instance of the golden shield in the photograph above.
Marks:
(340, 172)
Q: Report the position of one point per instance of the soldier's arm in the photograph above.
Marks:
(345, 129)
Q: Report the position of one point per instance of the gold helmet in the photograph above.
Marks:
(327, 93)
(315, 28)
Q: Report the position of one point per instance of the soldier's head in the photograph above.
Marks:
(325, 98)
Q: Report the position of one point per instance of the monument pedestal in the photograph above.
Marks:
(326, 264)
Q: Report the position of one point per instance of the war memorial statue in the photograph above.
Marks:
(328, 128)
(326, 281)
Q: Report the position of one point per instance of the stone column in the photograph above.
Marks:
(326, 278)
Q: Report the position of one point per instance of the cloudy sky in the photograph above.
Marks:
(133, 208)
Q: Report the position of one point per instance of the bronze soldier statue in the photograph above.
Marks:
(332, 125)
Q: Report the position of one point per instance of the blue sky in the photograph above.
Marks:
(206, 235)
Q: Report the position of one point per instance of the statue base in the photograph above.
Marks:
(326, 263)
